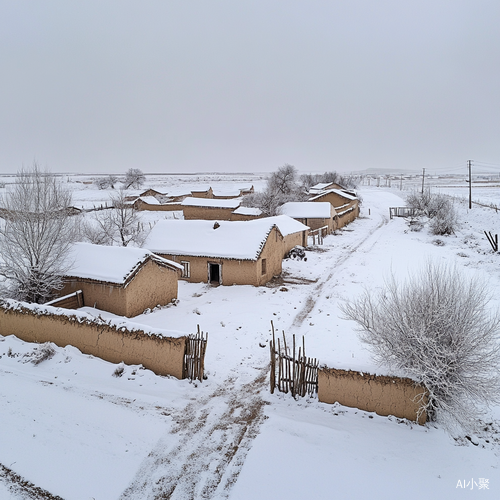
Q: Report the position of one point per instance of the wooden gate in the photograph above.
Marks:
(194, 358)
(292, 371)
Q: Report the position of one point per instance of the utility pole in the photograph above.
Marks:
(401, 183)
(423, 177)
(469, 162)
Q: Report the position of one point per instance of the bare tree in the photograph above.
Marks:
(133, 178)
(437, 329)
(118, 225)
(283, 181)
(35, 236)
(282, 186)
(106, 182)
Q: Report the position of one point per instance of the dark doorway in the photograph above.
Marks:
(214, 273)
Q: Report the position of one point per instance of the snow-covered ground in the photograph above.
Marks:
(72, 428)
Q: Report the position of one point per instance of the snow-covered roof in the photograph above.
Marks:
(248, 211)
(200, 189)
(209, 202)
(231, 192)
(307, 209)
(285, 224)
(321, 186)
(241, 240)
(150, 200)
(336, 191)
(110, 264)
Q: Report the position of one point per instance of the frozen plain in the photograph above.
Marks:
(73, 429)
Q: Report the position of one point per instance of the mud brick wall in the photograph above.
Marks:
(383, 395)
(162, 355)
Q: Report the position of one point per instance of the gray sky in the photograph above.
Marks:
(183, 86)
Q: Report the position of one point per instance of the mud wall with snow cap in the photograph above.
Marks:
(400, 397)
(113, 343)
(207, 213)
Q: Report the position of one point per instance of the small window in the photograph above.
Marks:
(186, 272)
(264, 266)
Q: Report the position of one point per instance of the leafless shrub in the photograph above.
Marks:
(437, 329)
(438, 207)
(445, 220)
(42, 353)
(119, 370)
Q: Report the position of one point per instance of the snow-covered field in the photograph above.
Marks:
(70, 427)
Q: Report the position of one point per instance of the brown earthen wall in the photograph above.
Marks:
(244, 217)
(294, 239)
(383, 395)
(160, 208)
(152, 285)
(207, 213)
(164, 356)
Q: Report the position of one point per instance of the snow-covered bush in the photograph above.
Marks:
(437, 329)
(42, 353)
(439, 209)
(445, 220)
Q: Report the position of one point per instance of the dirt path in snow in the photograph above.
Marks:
(202, 456)
(22, 488)
(311, 300)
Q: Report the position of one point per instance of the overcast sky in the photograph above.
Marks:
(197, 86)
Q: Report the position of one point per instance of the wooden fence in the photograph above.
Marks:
(401, 212)
(194, 358)
(296, 373)
(318, 235)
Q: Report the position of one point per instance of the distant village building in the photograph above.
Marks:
(121, 280)
(208, 209)
(202, 192)
(345, 204)
(313, 214)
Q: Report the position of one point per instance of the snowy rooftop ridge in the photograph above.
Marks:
(307, 209)
(247, 211)
(210, 203)
(336, 191)
(238, 240)
(110, 264)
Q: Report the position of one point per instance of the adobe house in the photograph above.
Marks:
(202, 192)
(314, 215)
(151, 192)
(246, 213)
(294, 232)
(121, 280)
(324, 186)
(346, 205)
(152, 204)
(225, 253)
(208, 209)
(246, 190)
(227, 195)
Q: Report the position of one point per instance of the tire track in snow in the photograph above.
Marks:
(346, 255)
(22, 488)
(201, 457)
